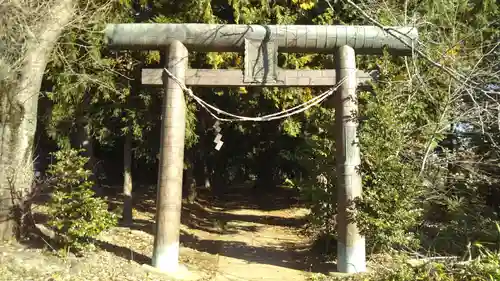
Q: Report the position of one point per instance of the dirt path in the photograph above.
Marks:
(238, 238)
(258, 251)
(254, 244)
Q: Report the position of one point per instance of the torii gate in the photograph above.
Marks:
(260, 44)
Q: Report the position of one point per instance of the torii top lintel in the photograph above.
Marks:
(288, 38)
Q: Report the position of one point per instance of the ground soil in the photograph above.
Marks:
(240, 236)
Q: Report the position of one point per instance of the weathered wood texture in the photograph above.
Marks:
(351, 245)
(259, 66)
(231, 37)
(169, 196)
(235, 78)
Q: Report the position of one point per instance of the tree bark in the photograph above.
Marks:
(202, 161)
(18, 119)
(189, 179)
(127, 180)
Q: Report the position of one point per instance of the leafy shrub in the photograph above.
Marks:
(463, 209)
(74, 213)
(485, 268)
(317, 185)
(391, 207)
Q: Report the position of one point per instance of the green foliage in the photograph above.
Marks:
(317, 185)
(484, 269)
(401, 123)
(390, 208)
(74, 213)
(403, 119)
(437, 272)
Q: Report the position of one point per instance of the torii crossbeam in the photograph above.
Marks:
(260, 44)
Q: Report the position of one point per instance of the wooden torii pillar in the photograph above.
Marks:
(261, 44)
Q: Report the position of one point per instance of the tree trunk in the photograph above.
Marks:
(18, 119)
(189, 179)
(202, 156)
(127, 180)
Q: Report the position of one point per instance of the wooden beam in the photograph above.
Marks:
(351, 255)
(235, 78)
(365, 39)
(170, 169)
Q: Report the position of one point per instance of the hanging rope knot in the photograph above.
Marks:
(274, 116)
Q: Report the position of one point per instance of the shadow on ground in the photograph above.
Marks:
(39, 239)
(237, 199)
(197, 217)
(271, 199)
(123, 252)
(210, 214)
(287, 255)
